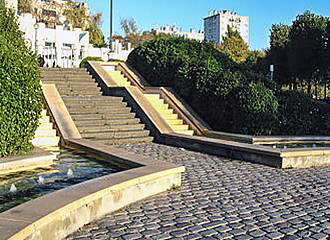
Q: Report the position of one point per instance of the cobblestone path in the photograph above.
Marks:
(223, 199)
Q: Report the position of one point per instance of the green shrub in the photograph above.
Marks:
(186, 65)
(86, 59)
(257, 109)
(301, 115)
(20, 92)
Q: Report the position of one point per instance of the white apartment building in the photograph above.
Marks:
(216, 25)
(176, 31)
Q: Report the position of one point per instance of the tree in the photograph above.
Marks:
(234, 46)
(278, 54)
(133, 34)
(95, 33)
(77, 16)
(24, 6)
(307, 47)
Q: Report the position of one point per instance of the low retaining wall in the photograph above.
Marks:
(279, 158)
(38, 158)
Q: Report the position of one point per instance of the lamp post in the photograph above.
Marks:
(271, 68)
(111, 12)
(36, 27)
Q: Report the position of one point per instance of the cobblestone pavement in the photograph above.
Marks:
(223, 199)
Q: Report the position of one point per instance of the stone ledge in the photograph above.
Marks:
(38, 158)
(279, 158)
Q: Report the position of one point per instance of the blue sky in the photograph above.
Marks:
(189, 13)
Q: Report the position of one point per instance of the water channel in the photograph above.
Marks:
(70, 167)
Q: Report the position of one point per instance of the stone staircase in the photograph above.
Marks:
(167, 113)
(105, 119)
(45, 135)
(177, 125)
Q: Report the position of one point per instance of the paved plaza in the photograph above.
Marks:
(223, 199)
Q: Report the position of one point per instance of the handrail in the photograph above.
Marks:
(127, 73)
(97, 69)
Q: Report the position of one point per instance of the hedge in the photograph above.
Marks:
(20, 91)
(301, 115)
(86, 59)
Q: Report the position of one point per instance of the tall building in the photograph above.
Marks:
(216, 25)
(176, 31)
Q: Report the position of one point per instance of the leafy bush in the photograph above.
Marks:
(257, 109)
(301, 115)
(86, 59)
(186, 65)
(20, 92)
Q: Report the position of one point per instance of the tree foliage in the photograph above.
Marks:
(278, 53)
(20, 91)
(24, 6)
(234, 46)
(77, 16)
(299, 51)
(133, 34)
(307, 45)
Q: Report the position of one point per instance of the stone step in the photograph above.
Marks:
(103, 116)
(69, 83)
(104, 102)
(42, 69)
(116, 134)
(75, 111)
(77, 93)
(188, 132)
(66, 77)
(46, 141)
(45, 125)
(170, 116)
(43, 113)
(174, 121)
(81, 91)
(67, 72)
(114, 127)
(125, 140)
(75, 76)
(165, 111)
(45, 133)
(83, 84)
(109, 107)
(182, 127)
(44, 119)
(96, 99)
(102, 122)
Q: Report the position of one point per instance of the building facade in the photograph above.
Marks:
(216, 25)
(48, 34)
(176, 31)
